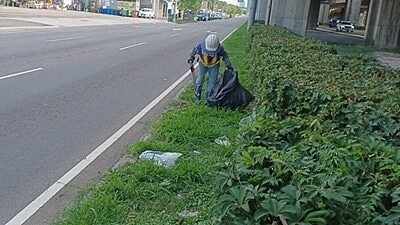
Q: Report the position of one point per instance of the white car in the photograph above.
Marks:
(146, 13)
(345, 26)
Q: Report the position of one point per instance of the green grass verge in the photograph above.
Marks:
(144, 193)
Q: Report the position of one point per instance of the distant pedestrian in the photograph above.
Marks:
(210, 52)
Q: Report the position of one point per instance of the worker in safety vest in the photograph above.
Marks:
(210, 52)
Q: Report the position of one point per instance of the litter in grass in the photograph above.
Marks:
(196, 153)
(223, 141)
(249, 118)
(166, 159)
(186, 214)
(246, 120)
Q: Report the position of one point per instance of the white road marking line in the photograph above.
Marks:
(212, 32)
(177, 29)
(64, 39)
(227, 36)
(36, 204)
(20, 73)
(174, 35)
(131, 46)
(43, 198)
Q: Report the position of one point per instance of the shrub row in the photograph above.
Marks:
(323, 143)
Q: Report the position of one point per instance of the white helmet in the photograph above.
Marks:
(212, 43)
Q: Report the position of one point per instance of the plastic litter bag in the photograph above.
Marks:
(229, 93)
(186, 214)
(248, 119)
(166, 159)
(224, 140)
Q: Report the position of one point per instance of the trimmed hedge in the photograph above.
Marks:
(323, 143)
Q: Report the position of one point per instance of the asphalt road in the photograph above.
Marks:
(65, 90)
(332, 36)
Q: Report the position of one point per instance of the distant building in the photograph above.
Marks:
(204, 5)
(160, 7)
(241, 3)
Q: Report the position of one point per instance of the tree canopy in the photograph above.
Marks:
(194, 5)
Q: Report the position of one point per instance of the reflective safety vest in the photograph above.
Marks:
(209, 61)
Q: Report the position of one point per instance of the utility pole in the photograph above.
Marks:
(252, 13)
(175, 2)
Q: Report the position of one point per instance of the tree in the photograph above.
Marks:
(186, 5)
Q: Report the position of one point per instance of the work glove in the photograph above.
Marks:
(229, 67)
(191, 65)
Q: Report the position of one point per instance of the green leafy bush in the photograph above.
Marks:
(323, 144)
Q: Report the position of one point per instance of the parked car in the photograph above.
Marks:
(332, 23)
(345, 26)
(218, 16)
(203, 15)
(146, 13)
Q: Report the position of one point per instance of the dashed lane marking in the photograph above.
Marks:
(20, 73)
(131, 46)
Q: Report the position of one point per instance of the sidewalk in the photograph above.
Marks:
(390, 59)
(14, 18)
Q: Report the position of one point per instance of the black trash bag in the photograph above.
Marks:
(228, 93)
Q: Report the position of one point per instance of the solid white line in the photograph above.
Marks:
(212, 32)
(20, 73)
(43, 198)
(177, 29)
(64, 39)
(29, 210)
(131, 46)
(174, 35)
(230, 34)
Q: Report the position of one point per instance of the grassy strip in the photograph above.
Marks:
(144, 193)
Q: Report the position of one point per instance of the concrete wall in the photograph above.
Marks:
(292, 14)
(261, 9)
(146, 4)
(383, 28)
(159, 8)
(313, 13)
(323, 17)
(353, 11)
(156, 5)
(268, 12)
